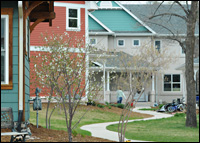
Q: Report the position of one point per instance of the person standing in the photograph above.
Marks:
(120, 94)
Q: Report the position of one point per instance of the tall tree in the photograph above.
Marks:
(190, 18)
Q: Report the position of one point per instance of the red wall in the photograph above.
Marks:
(59, 26)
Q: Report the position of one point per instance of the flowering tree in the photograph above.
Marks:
(137, 71)
(61, 68)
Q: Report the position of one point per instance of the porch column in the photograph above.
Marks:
(104, 83)
(130, 81)
(108, 81)
(153, 86)
(152, 95)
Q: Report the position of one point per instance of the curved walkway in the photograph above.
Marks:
(99, 130)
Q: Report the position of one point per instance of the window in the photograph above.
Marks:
(73, 19)
(158, 45)
(172, 82)
(136, 43)
(93, 41)
(121, 43)
(6, 47)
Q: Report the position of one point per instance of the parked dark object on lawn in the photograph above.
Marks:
(176, 105)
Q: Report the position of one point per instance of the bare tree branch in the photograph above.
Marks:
(186, 12)
(170, 14)
(158, 7)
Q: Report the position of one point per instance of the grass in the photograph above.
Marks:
(97, 115)
(161, 130)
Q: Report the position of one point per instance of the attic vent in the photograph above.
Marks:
(106, 4)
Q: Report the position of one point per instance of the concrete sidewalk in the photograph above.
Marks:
(99, 130)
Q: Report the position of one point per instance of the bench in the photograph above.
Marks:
(7, 123)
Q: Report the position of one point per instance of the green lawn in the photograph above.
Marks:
(97, 115)
(162, 130)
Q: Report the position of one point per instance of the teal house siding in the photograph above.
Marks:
(9, 98)
(27, 88)
(119, 21)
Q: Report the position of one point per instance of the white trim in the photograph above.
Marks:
(134, 34)
(6, 49)
(109, 8)
(73, 50)
(101, 33)
(135, 17)
(108, 80)
(135, 45)
(87, 55)
(78, 20)
(120, 45)
(69, 5)
(20, 55)
(99, 22)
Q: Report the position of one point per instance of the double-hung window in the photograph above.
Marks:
(172, 82)
(73, 19)
(158, 45)
(136, 43)
(93, 41)
(121, 43)
(6, 48)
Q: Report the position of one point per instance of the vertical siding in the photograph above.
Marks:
(9, 98)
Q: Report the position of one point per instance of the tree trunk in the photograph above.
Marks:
(47, 114)
(191, 120)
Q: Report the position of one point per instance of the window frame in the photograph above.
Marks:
(120, 45)
(95, 41)
(7, 13)
(160, 45)
(172, 82)
(78, 28)
(133, 42)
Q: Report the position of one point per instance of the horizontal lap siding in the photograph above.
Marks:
(27, 88)
(33, 84)
(9, 98)
(59, 26)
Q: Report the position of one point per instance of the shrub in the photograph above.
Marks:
(100, 106)
(114, 105)
(109, 107)
(93, 103)
(107, 103)
(120, 106)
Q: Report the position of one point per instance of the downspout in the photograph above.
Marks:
(20, 108)
(87, 54)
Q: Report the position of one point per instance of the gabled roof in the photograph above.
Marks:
(176, 24)
(118, 19)
(96, 25)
